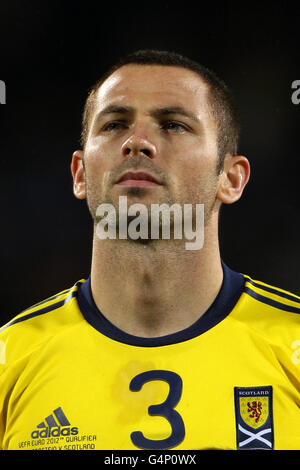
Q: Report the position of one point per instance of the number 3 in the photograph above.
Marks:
(165, 409)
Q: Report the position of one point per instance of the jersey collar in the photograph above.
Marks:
(229, 294)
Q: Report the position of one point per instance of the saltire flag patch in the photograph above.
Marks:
(254, 417)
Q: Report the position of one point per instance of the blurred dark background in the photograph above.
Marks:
(51, 52)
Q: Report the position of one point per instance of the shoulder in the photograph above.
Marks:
(279, 299)
(271, 312)
(35, 325)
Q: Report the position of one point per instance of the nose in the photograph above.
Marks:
(139, 145)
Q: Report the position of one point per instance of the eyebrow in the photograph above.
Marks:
(160, 112)
(156, 112)
(113, 109)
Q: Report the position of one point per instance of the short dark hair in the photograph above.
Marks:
(220, 99)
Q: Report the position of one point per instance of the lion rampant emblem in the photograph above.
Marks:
(255, 410)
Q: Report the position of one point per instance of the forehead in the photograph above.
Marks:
(140, 85)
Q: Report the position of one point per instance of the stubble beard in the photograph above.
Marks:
(96, 196)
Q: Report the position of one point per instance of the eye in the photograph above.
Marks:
(114, 125)
(174, 126)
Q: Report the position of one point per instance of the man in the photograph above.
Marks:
(162, 347)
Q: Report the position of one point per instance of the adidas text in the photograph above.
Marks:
(54, 432)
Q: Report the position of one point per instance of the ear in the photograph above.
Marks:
(78, 173)
(233, 179)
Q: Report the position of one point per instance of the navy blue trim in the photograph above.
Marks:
(230, 292)
(273, 290)
(41, 311)
(46, 300)
(273, 303)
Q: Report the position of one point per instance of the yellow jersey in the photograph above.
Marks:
(71, 380)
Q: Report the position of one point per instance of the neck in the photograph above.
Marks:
(154, 289)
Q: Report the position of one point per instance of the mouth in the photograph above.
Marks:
(138, 179)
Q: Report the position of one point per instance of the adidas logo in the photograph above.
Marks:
(56, 425)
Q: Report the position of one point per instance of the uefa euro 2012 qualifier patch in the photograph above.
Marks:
(254, 417)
